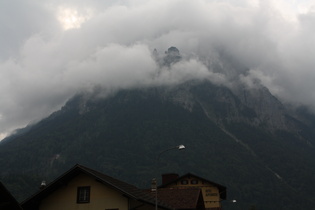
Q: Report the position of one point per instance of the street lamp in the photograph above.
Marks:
(179, 147)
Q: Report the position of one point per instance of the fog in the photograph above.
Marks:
(51, 50)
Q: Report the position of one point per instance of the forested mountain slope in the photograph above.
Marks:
(245, 139)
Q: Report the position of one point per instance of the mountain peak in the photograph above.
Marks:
(171, 56)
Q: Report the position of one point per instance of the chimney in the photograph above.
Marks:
(167, 178)
(42, 185)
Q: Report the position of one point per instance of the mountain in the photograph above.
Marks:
(242, 138)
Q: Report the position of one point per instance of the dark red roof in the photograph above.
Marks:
(189, 198)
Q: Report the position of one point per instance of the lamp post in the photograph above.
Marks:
(179, 147)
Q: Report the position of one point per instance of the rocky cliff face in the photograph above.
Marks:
(256, 106)
(269, 110)
(253, 105)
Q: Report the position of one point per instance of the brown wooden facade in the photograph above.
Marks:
(212, 193)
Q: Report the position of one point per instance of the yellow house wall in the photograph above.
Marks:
(101, 197)
(210, 193)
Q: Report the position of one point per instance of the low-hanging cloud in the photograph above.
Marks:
(54, 49)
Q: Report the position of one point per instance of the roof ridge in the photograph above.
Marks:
(139, 194)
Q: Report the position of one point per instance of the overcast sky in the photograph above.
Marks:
(52, 49)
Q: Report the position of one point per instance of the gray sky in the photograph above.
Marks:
(52, 49)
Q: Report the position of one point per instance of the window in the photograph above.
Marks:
(184, 182)
(83, 194)
(194, 181)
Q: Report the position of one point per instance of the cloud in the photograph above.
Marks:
(54, 49)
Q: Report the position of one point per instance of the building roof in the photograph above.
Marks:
(7, 201)
(189, 198)
(126, 189)
(222, 189)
